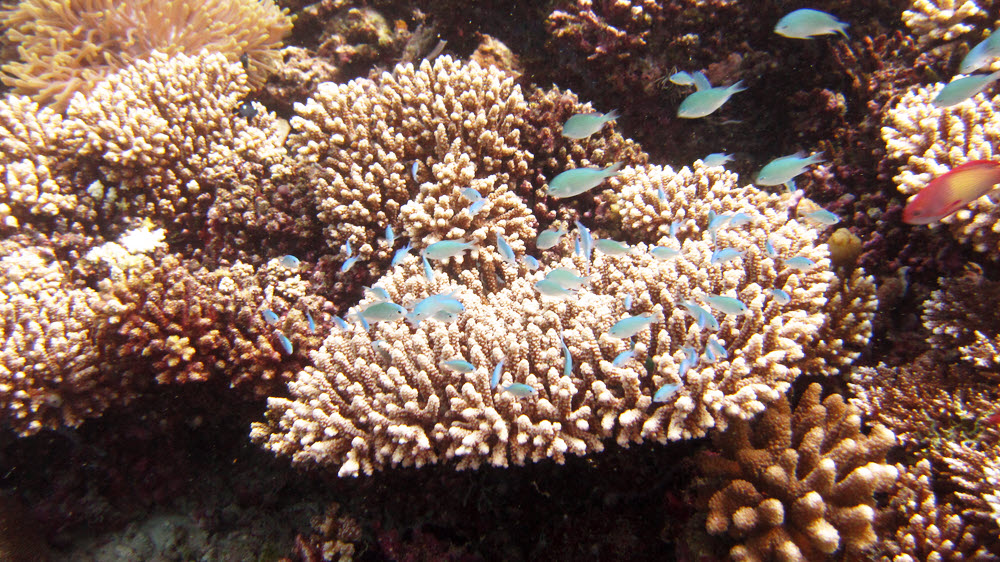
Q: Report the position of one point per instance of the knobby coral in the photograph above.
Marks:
(69, 47)
(380, 398)
(933, 21)
(931, 140)
(797, 485)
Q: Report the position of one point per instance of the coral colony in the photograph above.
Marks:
(440, 262)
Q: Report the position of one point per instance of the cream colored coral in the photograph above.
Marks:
(943, 20)
(50, 373)
(355, 146)
(362, 412)
(931, 140)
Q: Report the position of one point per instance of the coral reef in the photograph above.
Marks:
(361, 410)
(931, 140)
(797, 485)
(938, 21)
(962, 316)
(70, 47)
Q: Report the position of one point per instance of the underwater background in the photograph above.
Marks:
(310, 281)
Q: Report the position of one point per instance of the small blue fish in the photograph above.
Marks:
(674, 227)
(377, 293)
(497, 371)
(611, 247)
(400, 255)
(628, 302)
(413, 171)
(340, 323)
(632, 325)
(459, 365)
(428, 270)
(704, 102)
(520, 390)
(737, 220)
(717, 349)
(769, 248)
(664, 253)
(622, 357)
(477, 206)
(782, 170)
(382, 348)
(981, 54)
(703, 317)
(580, 180)
(800, 263)
(548, 238)
(312, 323)
(441, 307)
(717, 159)
(726, 305)
(530, 262)
(552, 289)
(506, 252)
(390, 236)
(448, 249)
(568, 358)
(383, 312)
(781, 297)
(660, 194)
(806, 23)
(577, 249)
(361, 318)
(471, 194)
(289, 261)
(690, 360)
(583, 125)
(665, 392)
(269, 316)
(566, 278)
(725, 255)
(349, 263)
(682, 78)
(586, 240)
(961, 89)
(286, 343)
(347, 248)
(822, 217)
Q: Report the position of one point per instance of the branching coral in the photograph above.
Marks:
(188, 324)
(916, 526)
(51, 373)
(797, 485)
(361, 409)
(398, 149)
(962, 315)
(931, 140)
(68, 47)
(943, 20)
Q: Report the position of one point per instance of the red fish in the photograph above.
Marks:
(952, 191)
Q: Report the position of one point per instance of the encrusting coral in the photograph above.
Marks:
(69, 47)
(362, 409)
(931, 140)
(797, 485)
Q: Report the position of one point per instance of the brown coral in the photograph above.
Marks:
(68, 47)
(797, 485)
(381, 398)
(962, 316)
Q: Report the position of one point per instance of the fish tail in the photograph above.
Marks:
(611, 115)
(613, 169)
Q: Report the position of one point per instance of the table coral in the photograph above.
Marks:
(797, 485)
(931, 140)
(361, 411)
(69, 47)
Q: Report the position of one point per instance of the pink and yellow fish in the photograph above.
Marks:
(952, 191)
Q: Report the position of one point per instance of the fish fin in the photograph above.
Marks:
(737, 87)
(611, 115)
(613, 169)
(701, 81)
